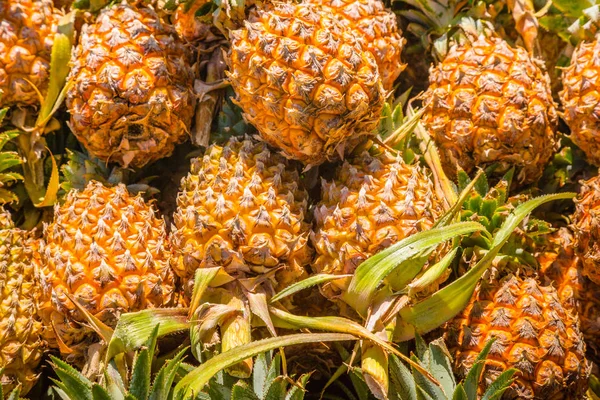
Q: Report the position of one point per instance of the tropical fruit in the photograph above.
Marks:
(561, 267)
(304, 81)
(21, 330)
(131, 99)
(586, 226)
(241, 208)
(107, 251)
(376, 29)
(534, 333)
(26, 36)
(580, 96)
(372, 202)
(488, 103)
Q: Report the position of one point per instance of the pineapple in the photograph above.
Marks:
(562, 268)
(21, 330)
(304, 81)
(372, 203)
(586, 226)
(376, 29)
(489, 104)
(131, 99)
(535, 333)
(109, 252)
(27, 30)
(241, 208)
(580, 96)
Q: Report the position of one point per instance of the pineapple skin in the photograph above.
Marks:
(580, 98)
(21, 330)
(241, 208)
(489, 103)
(535, 334)
(108, 251)
(131, 99)
(376, 30)
(586, 226)
(26, 38)
(372, 203)
(561, 267)
(304, 82)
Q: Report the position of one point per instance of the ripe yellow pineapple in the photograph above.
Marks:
(586, 226)
(376, 29)
(27, 30)
(561, 267)
(132, 96)
(580, 97)
(21, 344)
(535, 333)
(108, 251)
(488, 103)
(373, 202)
(241, 208)
(304, 81)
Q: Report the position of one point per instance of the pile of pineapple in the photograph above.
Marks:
(206, 199)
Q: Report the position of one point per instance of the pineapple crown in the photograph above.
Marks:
(572, 20)
(136, 383)
(490, 206)
(440, 23)
(8, 161)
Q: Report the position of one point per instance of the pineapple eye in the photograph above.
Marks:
(135, 131)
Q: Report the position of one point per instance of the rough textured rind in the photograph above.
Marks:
(488, 103)
(21, 330)
(26, 35)
(304, 82)
(372, 203)
(108, 251)
(586, 226)
(581, 98)
(376, 29)
(561, 267)
(241, 208)
(131, 99)
(535, 333)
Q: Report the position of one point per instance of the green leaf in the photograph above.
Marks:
(195, 381)
(277, 389)
(133, 329)
(242, 391)
(459, 393)
(447, 302)
(259, 374)
(297, 391)
(113, 382)
(99, 393)
(359, 385)
(59, 67)
(402, 383)
(499, 386)
(15, 394)
(369, 274)
(163, 383)
(440, 366)
(471, 382)
(306, 283)
(72, 382)
(274, 371)
(139, 386)
(432, 274)
(425, 386)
